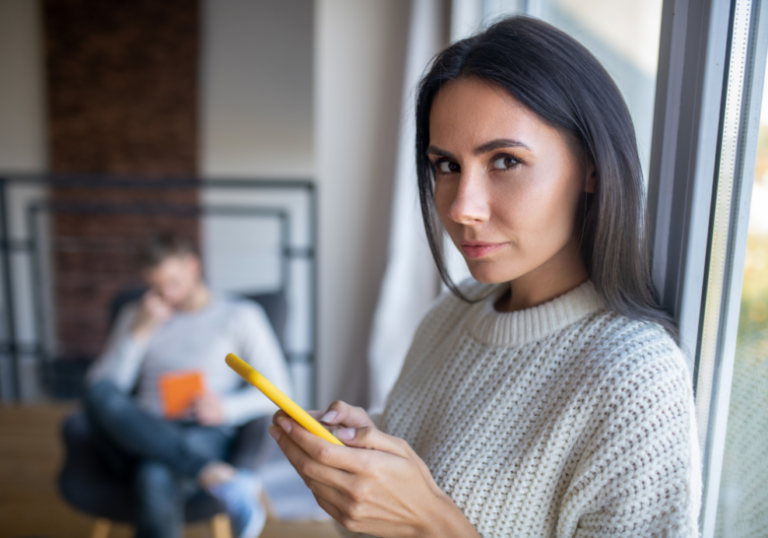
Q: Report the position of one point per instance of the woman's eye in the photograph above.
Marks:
(504, 163)
(446, 167)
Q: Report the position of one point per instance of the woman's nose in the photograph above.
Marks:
(471, 204)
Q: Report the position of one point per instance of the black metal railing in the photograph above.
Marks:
(28, 242)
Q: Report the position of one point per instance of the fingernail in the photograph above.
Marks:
(346, 434)
(285, 424)
(274, 432)
(329, 416)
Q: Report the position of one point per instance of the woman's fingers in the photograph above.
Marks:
(332, 511)
(339, 506)
(310, 450)
(332, 488)
(376, 483)
(305, 465)
(373, 438)
(342, 413)
(321, 451)
(318, 449)
(280, 414)
(318, 415)
(308, 453)
(277, 416)
(329, 494)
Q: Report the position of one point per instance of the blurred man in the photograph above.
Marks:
(169, 349)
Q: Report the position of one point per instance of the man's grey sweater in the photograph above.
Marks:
(199, 341)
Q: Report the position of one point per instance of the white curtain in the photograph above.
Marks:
(410, 283)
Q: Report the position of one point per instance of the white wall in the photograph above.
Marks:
(256, 121)
(359, 55)
(302, 88)
(289, 88)
(256, 88)
(22, 148)
(22, 135)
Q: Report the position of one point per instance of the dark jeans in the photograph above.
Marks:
(161, 458)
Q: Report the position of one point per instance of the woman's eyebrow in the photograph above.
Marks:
(498, 144)
(434, 150)
(485, 148)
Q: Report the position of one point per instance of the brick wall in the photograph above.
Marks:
(122, 83)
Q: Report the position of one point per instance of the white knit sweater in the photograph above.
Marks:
(563, 420)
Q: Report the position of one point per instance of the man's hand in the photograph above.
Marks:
(152, 313)
(207, 410)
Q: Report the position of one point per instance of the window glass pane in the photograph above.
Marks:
(743, 501)
(623, 34)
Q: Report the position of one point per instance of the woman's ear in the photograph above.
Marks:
(590, 181)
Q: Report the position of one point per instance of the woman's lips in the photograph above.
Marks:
(478, 249)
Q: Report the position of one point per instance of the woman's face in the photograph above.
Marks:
(507, 186)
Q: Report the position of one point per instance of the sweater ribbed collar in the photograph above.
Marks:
(522, 327)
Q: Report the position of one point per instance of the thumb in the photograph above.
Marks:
(372, 438)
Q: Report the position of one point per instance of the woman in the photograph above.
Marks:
(549, 398)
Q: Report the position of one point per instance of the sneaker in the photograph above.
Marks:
(240, 497)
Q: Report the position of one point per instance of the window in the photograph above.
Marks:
(692, 74)
(622, 34)
(742, 508)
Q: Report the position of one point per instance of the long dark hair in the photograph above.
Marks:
(563, 83)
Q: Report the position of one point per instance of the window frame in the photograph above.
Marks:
(683, 187)
(691, 94)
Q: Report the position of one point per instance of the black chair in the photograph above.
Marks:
(88, 485)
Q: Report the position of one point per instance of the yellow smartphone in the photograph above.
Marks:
(247, 372)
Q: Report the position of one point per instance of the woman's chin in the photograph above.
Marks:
(485, 273)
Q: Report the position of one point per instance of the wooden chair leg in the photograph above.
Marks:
(220, 526)
(101, 528)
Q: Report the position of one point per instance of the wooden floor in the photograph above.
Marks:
(30, 455)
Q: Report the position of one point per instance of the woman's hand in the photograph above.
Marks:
(349, 416)
(385, 491)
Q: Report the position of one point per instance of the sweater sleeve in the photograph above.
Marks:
(640, 474)
(256, 344)
(122, 357)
